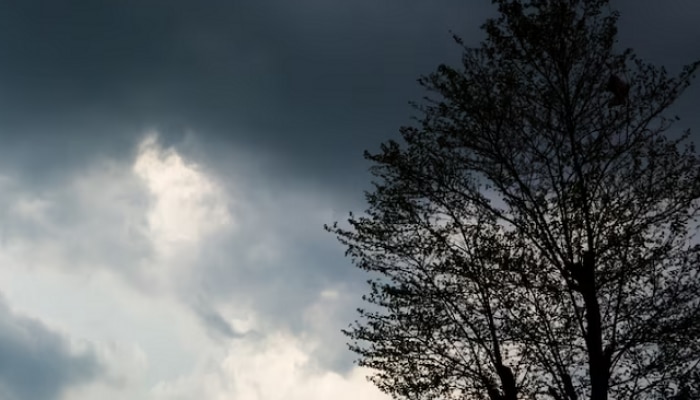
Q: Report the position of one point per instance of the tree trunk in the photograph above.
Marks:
(598, 361)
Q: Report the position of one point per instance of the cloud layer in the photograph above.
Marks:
(182, 285)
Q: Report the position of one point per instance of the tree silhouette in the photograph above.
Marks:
(533, 236)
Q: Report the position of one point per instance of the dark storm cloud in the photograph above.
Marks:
(312, 82)
(665, 34)
(36, 363)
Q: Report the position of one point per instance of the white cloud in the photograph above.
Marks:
(187, 205)
(31, 208)
(278, 367)
(185, 287)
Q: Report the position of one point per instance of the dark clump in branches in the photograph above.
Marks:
(528, 241)
(619, 88)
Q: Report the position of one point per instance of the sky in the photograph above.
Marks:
(166, 168)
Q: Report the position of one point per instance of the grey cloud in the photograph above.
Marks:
(216, 325)
(281, 290)
(89, 230)
(95, 217)
(37, 363)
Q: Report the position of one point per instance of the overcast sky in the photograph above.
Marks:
(166, 167)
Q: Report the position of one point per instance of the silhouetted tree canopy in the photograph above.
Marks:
(533, 237)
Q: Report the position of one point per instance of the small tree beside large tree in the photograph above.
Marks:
(533, 237)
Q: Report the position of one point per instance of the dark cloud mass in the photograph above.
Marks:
(37, 363)
(311, 82)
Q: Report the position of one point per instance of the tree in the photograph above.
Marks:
(533, 237)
